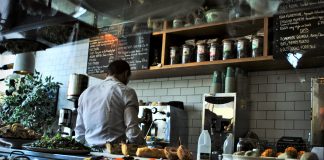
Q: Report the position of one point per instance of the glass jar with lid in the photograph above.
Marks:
(242, 47)
(214, 51)
(174, 55)
(201, 51)
(257, 46)
(177, 22)
(186, 53)
(228, 49)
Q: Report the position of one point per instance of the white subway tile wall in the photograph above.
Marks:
(286, 110)
(279, 106)
(5, 58)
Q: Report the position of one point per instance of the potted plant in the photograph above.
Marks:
(30, 101)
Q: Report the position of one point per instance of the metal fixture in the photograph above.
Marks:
(6, 66)
(24, 63)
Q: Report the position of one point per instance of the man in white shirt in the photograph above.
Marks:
(108, 111)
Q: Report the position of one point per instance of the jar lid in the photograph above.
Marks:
(227, 40)
(242, 39)
(200, 43)
(213, 43)
(174, 47)
(185, 45)
(257, 37)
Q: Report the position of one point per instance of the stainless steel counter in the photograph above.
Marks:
(39, 155)
(48, 156)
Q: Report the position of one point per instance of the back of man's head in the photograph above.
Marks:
(118, 67)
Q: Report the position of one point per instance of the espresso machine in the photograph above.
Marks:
(67, 118)
(224, 113)
(317, 120)
(164, 125)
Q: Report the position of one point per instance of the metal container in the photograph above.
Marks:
(246, 144)
(174, 55)
(65, 117)
(228, 49)
(257, 46)
(186, 53)
(201, 52)
(77, 84)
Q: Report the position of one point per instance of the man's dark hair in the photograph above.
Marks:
(118, 67)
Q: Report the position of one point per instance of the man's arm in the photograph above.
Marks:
(133, 132)
(79, 127)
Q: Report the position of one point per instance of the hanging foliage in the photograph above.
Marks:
(32, 102)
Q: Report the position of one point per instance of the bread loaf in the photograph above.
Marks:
(171, 153)
(150, 152)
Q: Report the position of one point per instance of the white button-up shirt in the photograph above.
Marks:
(107, 112)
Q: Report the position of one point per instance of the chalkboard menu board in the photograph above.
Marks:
(128, 42)
(299, 29)
(298, 5)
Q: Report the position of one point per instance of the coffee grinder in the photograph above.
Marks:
(77, 84)
(224, 113)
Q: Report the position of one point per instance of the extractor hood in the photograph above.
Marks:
(31, 25)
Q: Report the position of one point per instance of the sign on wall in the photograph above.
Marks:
(127, 42)
(299, 29)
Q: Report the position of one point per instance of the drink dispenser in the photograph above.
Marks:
(224, 113)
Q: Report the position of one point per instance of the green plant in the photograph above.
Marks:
(59, 142)
(32, 102)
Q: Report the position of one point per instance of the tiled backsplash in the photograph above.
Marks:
(280, 100)
(5, 58)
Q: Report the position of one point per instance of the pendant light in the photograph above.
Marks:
(24, 63)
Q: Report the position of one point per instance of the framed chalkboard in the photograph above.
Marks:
(287, 6)
(298, 29)
(129, 42)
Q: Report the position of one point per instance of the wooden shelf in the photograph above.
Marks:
(220, 30)
(243, 26)
(203, 68)
(215, 27)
